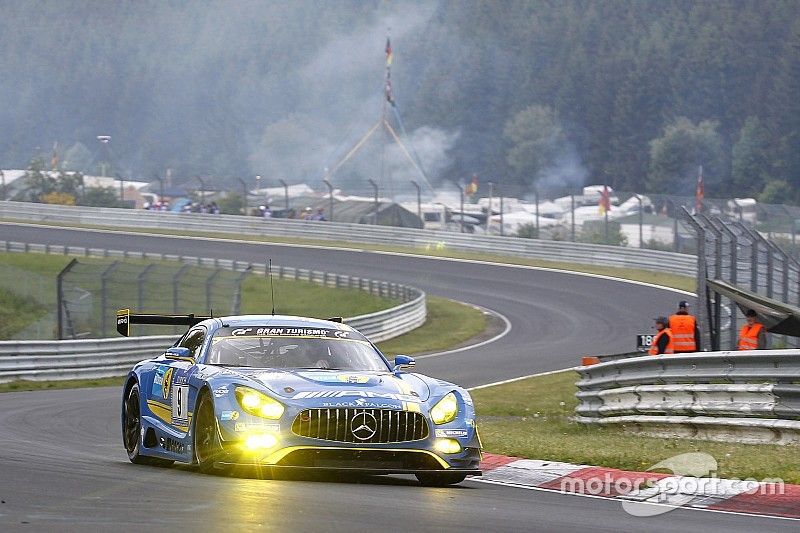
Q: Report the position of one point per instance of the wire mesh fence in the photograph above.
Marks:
(37, 290)
(88, 294)
(734, 252)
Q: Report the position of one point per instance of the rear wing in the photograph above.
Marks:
(125, 319)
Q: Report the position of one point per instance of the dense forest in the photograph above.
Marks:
(531, 94)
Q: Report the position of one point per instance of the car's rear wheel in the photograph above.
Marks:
(132, 430)
(207, 446)
(440, 479)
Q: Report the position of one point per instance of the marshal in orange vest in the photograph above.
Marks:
(670, 344)
(748, 336)
(683, 327)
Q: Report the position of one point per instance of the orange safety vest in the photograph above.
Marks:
(670, 344)
(748, 336)
(683, 327)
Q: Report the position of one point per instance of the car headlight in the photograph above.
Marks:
(445, 410)
(259, 404)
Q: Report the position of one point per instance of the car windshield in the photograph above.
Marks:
(324, 351)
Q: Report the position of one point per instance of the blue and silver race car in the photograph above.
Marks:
(278, 392)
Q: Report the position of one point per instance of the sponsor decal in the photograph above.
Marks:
(219, 392)
(357, 393)
(344, 334)
(352, 378)
(158, 381)
(229, 415)
(257, 426)
(470, 422)
(167, 383)
(451, 433)
(363, 403)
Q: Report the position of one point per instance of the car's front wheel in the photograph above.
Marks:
(207, 446)
(132, 430)
(440, 479)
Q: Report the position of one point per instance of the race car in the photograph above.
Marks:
(285, 392)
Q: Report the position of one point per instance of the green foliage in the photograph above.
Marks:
(677, 154)
(232, 204)
(536, 138)
(595, 233)
(778, 192)
(750, 164)
(527, 231)
(287, 92)
(100, 197)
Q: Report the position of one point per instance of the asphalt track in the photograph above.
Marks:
(62, 465)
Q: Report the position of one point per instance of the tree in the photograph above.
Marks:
(38, 182)
(100, 197)
(750, 165)
(778, 192)
(77, 157)
(232, 204)
(677, 154)
(536, 139)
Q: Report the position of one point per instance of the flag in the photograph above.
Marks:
(472, 188)
(54, 158)
(605, 201)
(389, 55)
(700, 192)
(389, 95)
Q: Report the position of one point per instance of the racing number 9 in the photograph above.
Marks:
(180, 402)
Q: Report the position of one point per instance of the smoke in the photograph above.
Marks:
(567, 172)
(335, 98)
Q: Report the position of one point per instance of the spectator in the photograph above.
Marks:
(306, 215)
(320, 214)
(662, 342)
(753, 335)
(685, 332)
(266, 212)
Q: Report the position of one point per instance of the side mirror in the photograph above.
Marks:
(178, 352)
(403, 361)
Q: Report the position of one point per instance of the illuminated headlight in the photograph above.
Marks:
(260, 441)
(445, 410)
(449, 446)
(258, 404)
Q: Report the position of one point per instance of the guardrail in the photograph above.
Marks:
(97, 358)
(729, 396)
(581, 253)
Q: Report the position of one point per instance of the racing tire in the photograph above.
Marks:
(132, 430)
(437, 479)
(207, 446)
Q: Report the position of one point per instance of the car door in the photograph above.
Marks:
(170, 395)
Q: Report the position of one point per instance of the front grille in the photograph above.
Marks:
(367, 426)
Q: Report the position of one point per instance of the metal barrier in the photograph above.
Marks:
(74, 359)
(730, 396)
(569, 252)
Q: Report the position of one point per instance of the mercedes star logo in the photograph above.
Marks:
(363, 425)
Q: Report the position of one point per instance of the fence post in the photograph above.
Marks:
(209, 284)
(704, 311)
(140, 280)
(734, 266)
(236, 307)
(175, 282)
(60, 303)
(104, 296)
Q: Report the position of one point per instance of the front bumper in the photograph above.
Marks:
(365, 460)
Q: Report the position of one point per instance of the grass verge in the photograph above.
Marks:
(461, 322)
(531, 419)
(440, 250)
(291, 297)
(16, 312)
